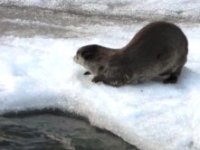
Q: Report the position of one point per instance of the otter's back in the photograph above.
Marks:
(158, 39)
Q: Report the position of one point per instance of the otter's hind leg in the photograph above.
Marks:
(173, 76)
(171, 79)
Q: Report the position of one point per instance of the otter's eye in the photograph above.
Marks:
(88, 55)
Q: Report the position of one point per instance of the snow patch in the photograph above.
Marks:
(38, 73)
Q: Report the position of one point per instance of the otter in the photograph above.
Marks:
(157, 51)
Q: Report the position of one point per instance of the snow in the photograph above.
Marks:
(39, 72)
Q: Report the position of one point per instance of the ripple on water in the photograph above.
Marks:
(54, 130)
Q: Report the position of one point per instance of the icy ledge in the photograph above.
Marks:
(38, 73)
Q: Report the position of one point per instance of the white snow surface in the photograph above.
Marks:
(146, 8)
(39, 73)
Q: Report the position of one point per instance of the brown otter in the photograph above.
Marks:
(159, 50)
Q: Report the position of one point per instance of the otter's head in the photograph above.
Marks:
(90, 57)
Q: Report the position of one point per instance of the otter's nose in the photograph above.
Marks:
(75, 58)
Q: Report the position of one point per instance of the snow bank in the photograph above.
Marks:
(155, 9)
(38, 73)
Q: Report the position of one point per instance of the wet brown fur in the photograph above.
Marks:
(159, 50)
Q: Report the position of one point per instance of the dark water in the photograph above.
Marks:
(54, 130)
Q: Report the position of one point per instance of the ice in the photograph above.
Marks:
(154, 9)
(39, 73)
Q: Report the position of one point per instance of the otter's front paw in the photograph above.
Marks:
(98, 78)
